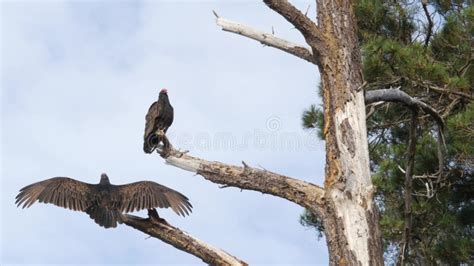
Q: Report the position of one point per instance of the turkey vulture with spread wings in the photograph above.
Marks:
(104, 202)
(158, 119)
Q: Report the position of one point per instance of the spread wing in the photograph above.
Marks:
(147, 195)
(61, 191)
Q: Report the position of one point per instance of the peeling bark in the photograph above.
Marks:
(345, 213)
(300, 192)
(353, 232)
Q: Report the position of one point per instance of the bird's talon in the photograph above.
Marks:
(160, 132)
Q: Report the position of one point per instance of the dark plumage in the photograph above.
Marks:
(158, 119)
(104, 202)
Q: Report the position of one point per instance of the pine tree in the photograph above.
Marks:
(426, 50)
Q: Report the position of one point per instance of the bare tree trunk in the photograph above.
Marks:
(351, 222)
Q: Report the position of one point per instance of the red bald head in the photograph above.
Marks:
(165, 91)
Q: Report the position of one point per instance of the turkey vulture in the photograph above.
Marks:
(158, 119)
(104, 202)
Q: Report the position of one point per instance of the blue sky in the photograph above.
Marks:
(77, 80)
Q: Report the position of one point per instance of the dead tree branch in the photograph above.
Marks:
(409, 184)
(440, 90)
(311, 32)
(450, 107)
(268, 39)
(305, 194)
(429, 30)
(159, 228)
(462, 71)
(396, 95)
(293, 15)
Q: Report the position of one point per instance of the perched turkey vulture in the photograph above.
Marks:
(158, 119)
(104, 202)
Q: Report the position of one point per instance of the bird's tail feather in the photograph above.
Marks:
(153, 141)
(150, 143)
(105, 217)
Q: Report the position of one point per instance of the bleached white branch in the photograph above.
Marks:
(268, 39)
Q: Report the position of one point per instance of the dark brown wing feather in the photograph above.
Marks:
(154, 112)
(147, 195)
(61, 191)
(167, 116)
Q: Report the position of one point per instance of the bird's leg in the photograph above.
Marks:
(167, 147)
(155, 218)
(161, 137)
